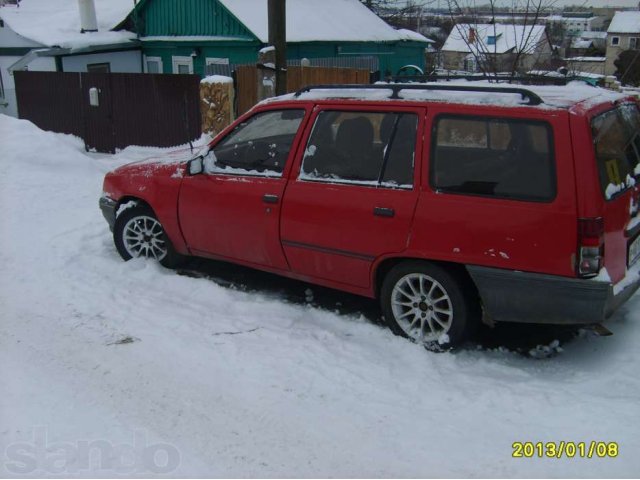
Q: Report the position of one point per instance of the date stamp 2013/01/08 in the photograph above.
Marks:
(564, 449)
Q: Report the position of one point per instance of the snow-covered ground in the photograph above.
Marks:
(105, 363)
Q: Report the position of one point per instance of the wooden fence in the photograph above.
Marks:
(297, 77)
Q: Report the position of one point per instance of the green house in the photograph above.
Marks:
(199, 36)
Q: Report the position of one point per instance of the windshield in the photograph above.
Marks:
(616, 138)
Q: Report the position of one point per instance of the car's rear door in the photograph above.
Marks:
(615, 143)
(352, 197)
(232, 211)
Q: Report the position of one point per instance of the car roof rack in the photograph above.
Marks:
(532, 98)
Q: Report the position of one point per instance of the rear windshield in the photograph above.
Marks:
(616, 139)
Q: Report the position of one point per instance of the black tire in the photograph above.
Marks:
(153, 241)
(441, 304)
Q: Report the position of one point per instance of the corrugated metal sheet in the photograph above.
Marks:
(161, 110)
(365, 62)
(51, 100)
(134, 109)
(190, 17)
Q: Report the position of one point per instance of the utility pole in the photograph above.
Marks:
(278, 39)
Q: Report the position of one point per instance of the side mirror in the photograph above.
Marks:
(195, 166)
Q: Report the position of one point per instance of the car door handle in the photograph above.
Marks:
(383, 212)
(270, 198)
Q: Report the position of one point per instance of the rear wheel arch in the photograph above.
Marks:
(457, 269)
(444, 297)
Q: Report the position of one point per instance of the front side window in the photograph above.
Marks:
(493, 157)
(258, 146)
(615, 41)
(634, 43)
(616, 140)
(365, 148)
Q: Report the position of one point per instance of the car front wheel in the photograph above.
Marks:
(428, 304)
(138, 233)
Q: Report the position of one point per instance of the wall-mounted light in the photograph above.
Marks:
(195, 52)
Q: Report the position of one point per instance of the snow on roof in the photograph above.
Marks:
(57, 22)
(625, 22)
(507, 37)
(600, 35)
(316, 21)
(415, 36)
(580, 43)
(586, 59)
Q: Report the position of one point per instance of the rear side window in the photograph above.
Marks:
(364, 148)
(493, 157)
(616, 140)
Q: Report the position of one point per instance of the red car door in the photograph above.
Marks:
(232, 210)
(354, 192)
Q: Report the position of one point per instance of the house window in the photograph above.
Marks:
(615, 41)
(99, 68)
(634, 43)
(217, 66)
(153, 65)
(470, 64)
(183, 65)
(217, 61)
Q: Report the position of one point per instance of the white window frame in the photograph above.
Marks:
(216, 61)
(158, 60)
(636, 40)
(179, 60)
(615, 41)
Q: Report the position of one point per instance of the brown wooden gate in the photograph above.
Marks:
(131, 108)
(297, 77)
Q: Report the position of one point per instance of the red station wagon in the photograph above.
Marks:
(450, 203)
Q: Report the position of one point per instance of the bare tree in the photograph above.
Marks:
(472, 22)
(398, 13)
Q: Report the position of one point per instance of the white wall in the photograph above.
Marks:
(8, 104)
(121, 62)
(42, 64)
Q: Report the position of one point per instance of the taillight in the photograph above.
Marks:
(590, 246)
(635, 200)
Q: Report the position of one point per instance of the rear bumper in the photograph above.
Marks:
(108, 207)
(510, 296)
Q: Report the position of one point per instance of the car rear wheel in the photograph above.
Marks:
(138, 233)
(428, 304)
